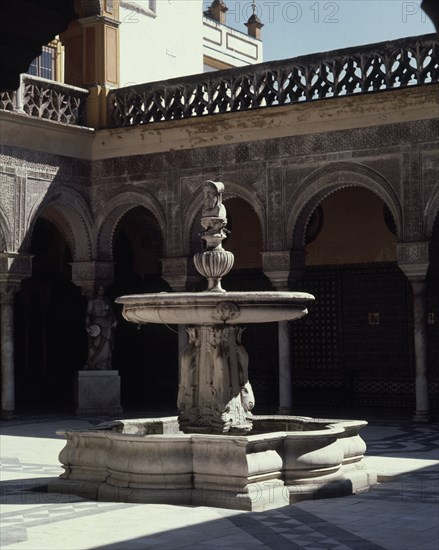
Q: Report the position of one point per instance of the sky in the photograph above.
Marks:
(301, 27)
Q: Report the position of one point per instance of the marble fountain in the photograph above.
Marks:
(216, 452)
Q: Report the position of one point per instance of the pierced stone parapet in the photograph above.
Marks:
(387, 65)
(51, 100)
(42, 98)
(8, 100)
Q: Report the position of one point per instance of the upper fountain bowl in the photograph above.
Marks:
(212, 308)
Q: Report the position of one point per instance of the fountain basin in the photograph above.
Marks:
(284, 459)
(210, 308)
(216, 453)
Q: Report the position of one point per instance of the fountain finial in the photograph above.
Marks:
(214, 262)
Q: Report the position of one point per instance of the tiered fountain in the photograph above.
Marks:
(216, 453)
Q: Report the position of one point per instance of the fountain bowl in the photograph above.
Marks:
(210, 308)
(283, 460)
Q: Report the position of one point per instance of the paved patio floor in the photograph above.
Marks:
(401, 513)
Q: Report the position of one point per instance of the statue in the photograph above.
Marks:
(99, 324)
(213, 214)
(213, 200)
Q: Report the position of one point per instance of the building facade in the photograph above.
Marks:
(331, 187)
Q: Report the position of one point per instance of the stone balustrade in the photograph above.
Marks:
(375, 67)
(362, 69)
(42, 98)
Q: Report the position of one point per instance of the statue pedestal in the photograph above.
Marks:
(98, 393)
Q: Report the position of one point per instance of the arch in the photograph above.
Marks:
(68, 211)
(233, 190)
(431, 212)
(5, 233)
(327, 180)
(110, 215)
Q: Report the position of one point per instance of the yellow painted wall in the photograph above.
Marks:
(245, 239)
(353, 231)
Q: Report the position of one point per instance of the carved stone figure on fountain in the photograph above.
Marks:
(247, 395)
(214, 210)
(220, 371)
(213, 216)
(188, 369)
(99, 324)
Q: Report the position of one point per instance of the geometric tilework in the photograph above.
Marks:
(297, 529)
(398, 515)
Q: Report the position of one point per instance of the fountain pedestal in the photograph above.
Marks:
(215, 395)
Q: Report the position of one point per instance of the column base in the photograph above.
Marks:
(422, 416)
(98, 393)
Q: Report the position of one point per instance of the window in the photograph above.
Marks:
(44, 64)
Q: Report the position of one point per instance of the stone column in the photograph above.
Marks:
(422, 413)
(7, 352)
(13, 269)
(413, 260)
(97, 391)
(285, 378)
(174, 272)
(276, 266)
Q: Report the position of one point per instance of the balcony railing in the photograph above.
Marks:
(42, 98)
(387, 65)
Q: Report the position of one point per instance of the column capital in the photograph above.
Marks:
(7, 292)
(174, 272)
(14, 268)
(276, 266)
(413, 259)
(88, 275)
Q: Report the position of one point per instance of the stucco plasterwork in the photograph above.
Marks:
(430, 186)
(335, 114)
(7, 203)
(282, 177)
(432, 212)
(108, 217)
(20, 130)
(68, 210)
